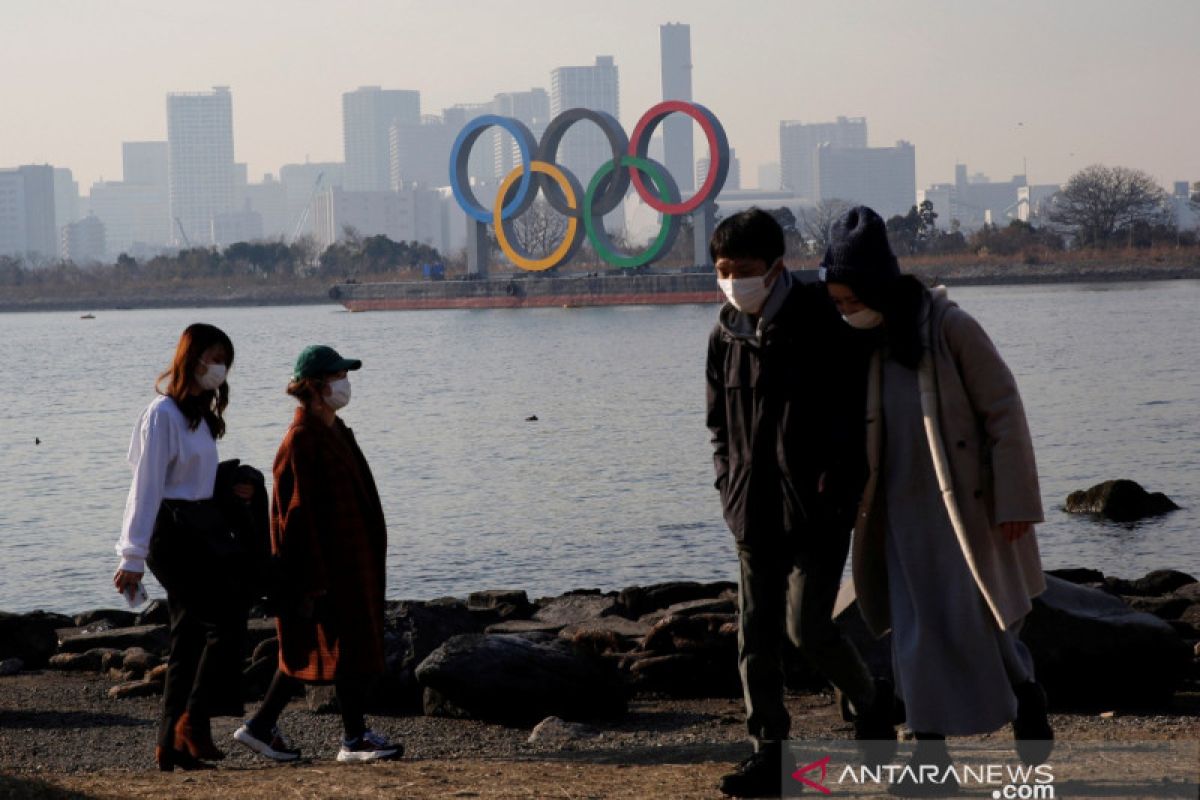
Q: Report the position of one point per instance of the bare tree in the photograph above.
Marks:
(1099, 201)
(814, 223)
(539, 230)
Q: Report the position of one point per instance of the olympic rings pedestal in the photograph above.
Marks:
(704, 220)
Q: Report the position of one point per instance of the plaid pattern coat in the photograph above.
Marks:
(328, 532)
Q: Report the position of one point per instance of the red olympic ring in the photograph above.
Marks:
(718, 149)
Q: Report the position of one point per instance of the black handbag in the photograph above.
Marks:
(200, 526)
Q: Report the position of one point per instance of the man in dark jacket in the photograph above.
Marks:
(786, 401)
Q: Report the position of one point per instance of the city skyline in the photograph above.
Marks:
(1007, 88)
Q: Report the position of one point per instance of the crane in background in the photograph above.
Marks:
(303, 220)
(183, 234)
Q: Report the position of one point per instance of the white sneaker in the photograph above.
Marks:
(369, 747)
(278, 748)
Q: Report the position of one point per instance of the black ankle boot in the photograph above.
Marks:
(760, 775)
(1031, 728)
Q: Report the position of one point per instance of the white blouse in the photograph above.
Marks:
(169, 461)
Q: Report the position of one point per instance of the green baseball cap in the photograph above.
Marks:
(321, 359)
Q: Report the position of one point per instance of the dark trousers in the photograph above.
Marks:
(787, 587)
(203, 678)
(208, 632)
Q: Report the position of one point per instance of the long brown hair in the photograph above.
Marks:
(210, 404)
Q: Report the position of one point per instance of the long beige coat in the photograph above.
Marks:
(983, 455)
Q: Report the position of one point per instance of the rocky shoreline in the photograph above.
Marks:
(614, 694)
(1098, 642)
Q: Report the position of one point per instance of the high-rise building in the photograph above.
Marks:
(675, 42)
(798, 143)
(27, 214)
(884, 178)
(584, 148)
(12, 213)
(83, 241)
(199, 162)
(420, 154)
(368, 114)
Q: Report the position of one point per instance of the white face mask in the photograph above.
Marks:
(339, 393)
(864, 319)
(746, 294)
(213, 376)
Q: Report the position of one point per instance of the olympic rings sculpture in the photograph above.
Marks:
(585, 208)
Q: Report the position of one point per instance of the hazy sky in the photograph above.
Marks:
(1060, 83)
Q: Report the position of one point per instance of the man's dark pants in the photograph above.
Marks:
(787, 587)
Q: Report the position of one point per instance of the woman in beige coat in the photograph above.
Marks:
(945, 554)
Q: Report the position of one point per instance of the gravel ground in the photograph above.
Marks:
(62, 736)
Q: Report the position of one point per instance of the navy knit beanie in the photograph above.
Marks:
(860, 256)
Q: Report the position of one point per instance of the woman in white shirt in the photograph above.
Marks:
(170, 509)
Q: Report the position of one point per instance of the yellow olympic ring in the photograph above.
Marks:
(536, 264)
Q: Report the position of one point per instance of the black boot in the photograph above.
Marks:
(760, 775)
(1031, 729)
(930, 750)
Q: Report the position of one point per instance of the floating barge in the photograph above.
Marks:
(532, 292)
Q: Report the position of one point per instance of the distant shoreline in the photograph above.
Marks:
(950, 274)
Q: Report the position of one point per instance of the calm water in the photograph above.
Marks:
(612, 486)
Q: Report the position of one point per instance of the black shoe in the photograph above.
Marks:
(873, 726)
(760, 775)
(1031, 729)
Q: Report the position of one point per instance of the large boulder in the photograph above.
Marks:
(512, 680)
(1120, 501)
(31, 637)
(1092, 650)
(413, 630)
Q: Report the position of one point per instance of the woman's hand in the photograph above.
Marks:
(1015, 530)
(124, 580)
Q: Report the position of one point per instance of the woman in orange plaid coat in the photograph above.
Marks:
(329, 539)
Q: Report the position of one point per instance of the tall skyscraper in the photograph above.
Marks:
(368, 114)
(675, 40)
(798, 143)
(584, 148)
(199, 162)
(27, 212)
